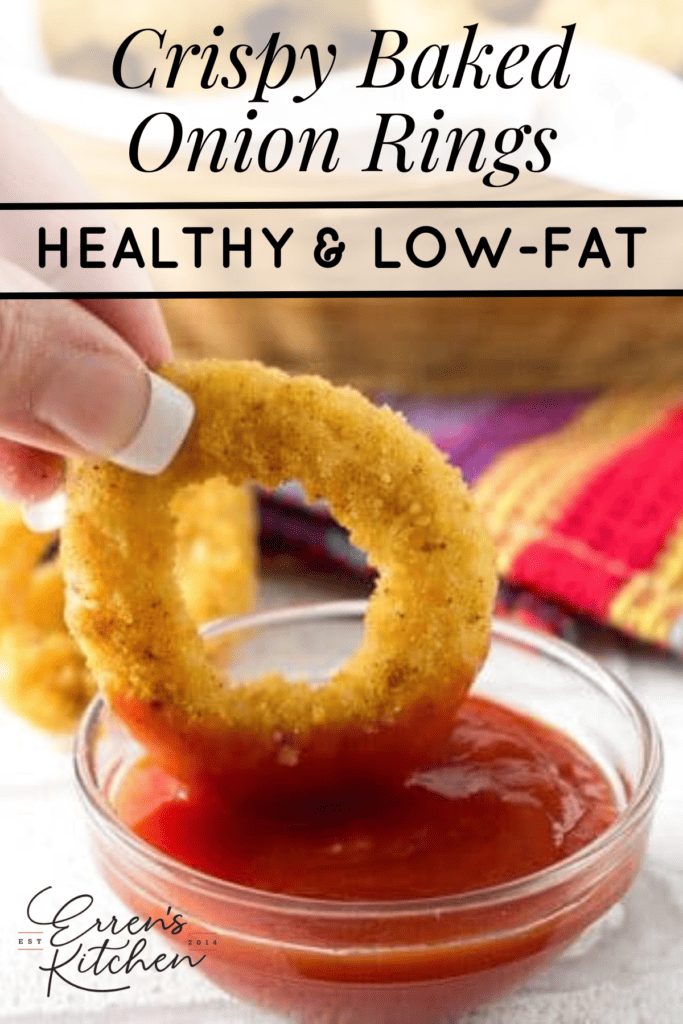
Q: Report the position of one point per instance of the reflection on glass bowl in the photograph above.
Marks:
(394, 962)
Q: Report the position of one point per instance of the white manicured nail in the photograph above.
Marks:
(45, 516)
(164, 428)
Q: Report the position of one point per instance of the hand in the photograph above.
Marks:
(74, 377)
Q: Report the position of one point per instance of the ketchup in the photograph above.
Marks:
(504, 798)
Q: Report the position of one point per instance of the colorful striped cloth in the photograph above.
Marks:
(583, 494)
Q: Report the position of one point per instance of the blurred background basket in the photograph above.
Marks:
(445, 345)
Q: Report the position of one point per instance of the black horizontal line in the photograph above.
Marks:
(538, 204)
(432, 294)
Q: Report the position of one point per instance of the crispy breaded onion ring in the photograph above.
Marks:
(427, 625)
(43, 675)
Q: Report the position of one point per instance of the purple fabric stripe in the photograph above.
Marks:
(474, 432)
(441, 416)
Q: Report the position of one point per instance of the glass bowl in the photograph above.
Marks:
(395, 962)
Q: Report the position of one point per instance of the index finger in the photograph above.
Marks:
(34, 170)
(139, 322)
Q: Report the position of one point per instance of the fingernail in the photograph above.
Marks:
(97, 400)
(164, 428)
(113, 407)
(45, 516)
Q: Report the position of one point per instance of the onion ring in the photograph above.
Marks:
(427, 625)
(43, 675)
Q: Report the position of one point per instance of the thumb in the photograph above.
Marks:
(69, 385)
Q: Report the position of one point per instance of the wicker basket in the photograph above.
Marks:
(462, 346)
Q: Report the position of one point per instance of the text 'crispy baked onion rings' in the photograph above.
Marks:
(426, 629)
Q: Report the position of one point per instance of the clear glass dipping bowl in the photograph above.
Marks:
(408, 962)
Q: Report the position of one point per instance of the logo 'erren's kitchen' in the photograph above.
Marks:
(84, 948)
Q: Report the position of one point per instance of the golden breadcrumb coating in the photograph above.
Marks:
(427, 625)
(43, 675)
(215, 549)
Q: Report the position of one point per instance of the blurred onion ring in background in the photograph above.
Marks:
(43, 675)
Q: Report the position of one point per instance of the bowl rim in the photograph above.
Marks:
(639, 803)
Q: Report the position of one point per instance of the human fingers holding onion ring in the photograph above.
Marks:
(75, 375)
(427, 625)
(74, 381)
(71, 385)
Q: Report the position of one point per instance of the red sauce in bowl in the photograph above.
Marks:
(506, 797)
